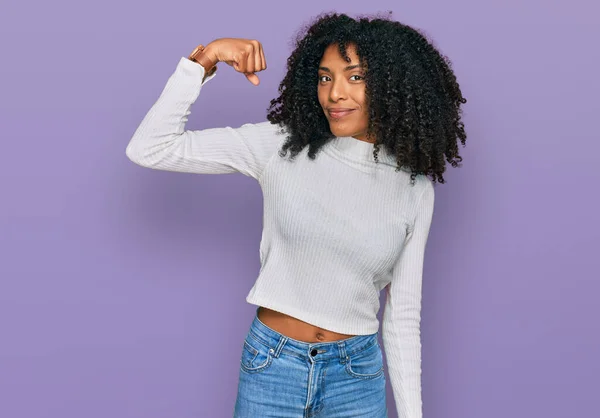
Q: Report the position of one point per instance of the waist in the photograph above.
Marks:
(319, 350)
(295, 328)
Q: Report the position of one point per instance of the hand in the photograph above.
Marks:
(244, 55)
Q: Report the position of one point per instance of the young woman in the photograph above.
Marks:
(369, 110)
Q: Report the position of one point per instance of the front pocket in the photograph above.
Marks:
(366, 364)
(256, 357)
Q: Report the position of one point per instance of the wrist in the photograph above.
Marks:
(207, 61)
(211, 54)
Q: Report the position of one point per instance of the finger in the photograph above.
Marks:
(263, 59)
(253, 78)
(240, 62)
(258, 66)
(233, 63)
(250, 62)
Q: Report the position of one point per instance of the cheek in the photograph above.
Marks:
(364, 107)
(322, 97)
(361, 98)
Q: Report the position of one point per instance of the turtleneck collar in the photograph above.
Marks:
(361, 151)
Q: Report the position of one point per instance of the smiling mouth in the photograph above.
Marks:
(339, 114)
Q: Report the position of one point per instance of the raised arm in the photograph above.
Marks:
(402, 313)
(161, 141)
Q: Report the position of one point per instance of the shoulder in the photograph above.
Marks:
(266, 128)
(424, 201)
(420, 192)
(427, 190)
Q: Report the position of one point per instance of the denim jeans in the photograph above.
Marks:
(285, 378)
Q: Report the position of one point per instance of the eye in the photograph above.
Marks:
(355, 75)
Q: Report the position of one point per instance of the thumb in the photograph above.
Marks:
(253, 78)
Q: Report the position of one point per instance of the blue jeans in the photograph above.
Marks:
(285, 378)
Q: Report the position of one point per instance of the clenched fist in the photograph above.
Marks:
(244, 55)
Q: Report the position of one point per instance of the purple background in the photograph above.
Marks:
(122, 289)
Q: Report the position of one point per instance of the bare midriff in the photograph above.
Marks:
(294, 328)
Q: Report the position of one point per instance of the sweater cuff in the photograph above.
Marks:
(194, 69)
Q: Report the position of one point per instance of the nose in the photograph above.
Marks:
(338, 90)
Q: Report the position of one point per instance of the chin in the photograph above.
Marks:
(340, 132)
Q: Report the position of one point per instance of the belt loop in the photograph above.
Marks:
(282, 340)
(343, 355)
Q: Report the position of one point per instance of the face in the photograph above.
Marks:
(341, 92)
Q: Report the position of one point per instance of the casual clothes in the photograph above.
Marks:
(337, 230)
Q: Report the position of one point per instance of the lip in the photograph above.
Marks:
(339, 113)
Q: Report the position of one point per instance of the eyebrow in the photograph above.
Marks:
(348, 68)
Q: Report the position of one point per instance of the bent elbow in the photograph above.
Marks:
(134, 153)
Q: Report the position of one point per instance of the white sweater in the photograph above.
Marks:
(336, 231)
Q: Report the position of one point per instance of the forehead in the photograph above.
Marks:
(332, 56)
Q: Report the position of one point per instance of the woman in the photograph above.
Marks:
(368, 109)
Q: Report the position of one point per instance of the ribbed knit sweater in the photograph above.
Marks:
(336, 230)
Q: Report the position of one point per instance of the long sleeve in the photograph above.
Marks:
(161, 141)
(402, 313)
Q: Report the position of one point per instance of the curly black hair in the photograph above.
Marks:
(412, 93)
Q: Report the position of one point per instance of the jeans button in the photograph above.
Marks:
(313, 352)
